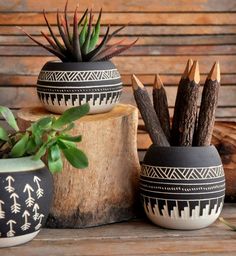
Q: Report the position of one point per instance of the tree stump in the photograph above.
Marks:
(106, 191)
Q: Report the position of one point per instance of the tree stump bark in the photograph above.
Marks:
(106, 191)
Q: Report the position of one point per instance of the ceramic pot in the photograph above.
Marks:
(25, 198)
(182, 187)
(64, 85)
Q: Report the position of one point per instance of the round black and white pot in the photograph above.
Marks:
(182, 187)
(25, 198)
(64, 85)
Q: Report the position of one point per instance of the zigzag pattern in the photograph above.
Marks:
(182, 173)
(78, 76)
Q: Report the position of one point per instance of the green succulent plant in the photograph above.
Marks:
(80, 41)
(49, 135)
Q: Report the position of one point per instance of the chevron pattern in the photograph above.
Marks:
(182, 173)
(78, 76)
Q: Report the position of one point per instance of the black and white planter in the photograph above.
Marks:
(182, 187)
(64, 85)
(25, 198)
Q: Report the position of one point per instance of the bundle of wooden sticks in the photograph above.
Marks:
(191, 126)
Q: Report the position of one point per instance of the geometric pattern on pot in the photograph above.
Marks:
(59, 90)
(78, 76)
(182, 198)
(182, 173)
(100, 99)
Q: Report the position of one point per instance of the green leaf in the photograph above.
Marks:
(42, 150)
(8, 115)
(63, 144)
(3, 134)
(54, 165)
(55, 152)
(31, 146)
(69, 127)
(44, 123)
(95, 34)
(71, 138)
(76, 157)
(19, 148)
(71, 115)
(83, 32)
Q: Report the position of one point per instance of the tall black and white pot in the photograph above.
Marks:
(25, 197)
(182, 187)
(64, 85)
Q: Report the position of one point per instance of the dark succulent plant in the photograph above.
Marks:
(80, 43)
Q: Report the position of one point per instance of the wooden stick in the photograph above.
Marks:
(148, 113)
(161, 105)
(178, 102)
(188, 109)
(208, 107)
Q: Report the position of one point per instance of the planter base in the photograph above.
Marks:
(184, 222)
(17, 240)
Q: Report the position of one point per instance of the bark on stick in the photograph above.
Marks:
(178, 102)
(208, 107)
(161, 105)
(188, 111)
(148, 113)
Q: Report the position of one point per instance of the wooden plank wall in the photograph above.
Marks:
(169, 31)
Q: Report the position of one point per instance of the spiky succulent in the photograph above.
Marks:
(80, 41)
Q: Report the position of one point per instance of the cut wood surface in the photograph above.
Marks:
(106, 191)
(136, 237)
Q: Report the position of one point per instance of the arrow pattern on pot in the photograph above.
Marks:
(35, 210)
(30, 200)
(9, 187)
(2, 213)
(27, 225)
(39, 191)
(41, 216)
(26, 220)
(15, 208)
(11, 231)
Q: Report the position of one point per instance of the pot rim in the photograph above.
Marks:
(182, 147)
(20, 164)
(78, 63)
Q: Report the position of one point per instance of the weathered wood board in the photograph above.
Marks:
(137, 237)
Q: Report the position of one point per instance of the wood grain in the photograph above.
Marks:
(138, 50)
(146, 40)
(16, 97)
(123, 5)
(106, 191)
(126, 65)
(147, 30)
(147, 79)
(137, 237)
(22, 19)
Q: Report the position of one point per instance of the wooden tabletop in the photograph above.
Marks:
(136, 237)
